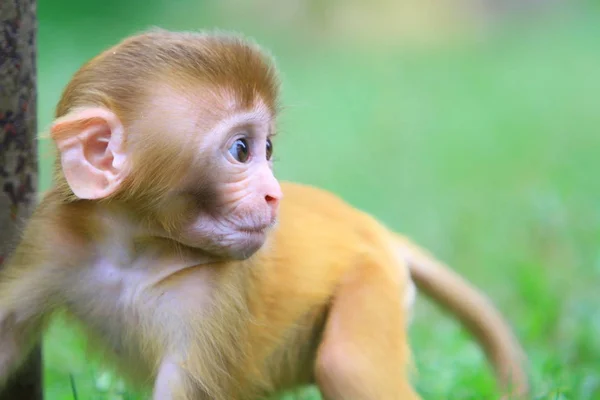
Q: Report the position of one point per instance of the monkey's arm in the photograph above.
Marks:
(365, 354)
(26, 299)
(474, 310)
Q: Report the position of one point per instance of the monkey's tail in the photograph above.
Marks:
(475, 311)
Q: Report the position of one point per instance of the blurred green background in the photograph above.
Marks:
(472, 126)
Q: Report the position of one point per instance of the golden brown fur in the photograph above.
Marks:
(158, 256)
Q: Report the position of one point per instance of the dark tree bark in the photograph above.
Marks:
(18, 154)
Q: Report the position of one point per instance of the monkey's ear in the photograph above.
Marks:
(91, 145)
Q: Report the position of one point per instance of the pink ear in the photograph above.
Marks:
(90, 141)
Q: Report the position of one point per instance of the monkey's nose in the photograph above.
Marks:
(272, 202)
(272, 192)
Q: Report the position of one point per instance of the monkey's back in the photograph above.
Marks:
(319, 237)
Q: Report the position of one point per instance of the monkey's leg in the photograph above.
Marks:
(364, 354)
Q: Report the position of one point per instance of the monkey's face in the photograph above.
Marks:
(229, 197)
(193, 168)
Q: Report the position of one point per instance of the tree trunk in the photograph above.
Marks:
(18, 154)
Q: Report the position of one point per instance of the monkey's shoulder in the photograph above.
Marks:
(318, 228)
(310, 210)
(306, 199)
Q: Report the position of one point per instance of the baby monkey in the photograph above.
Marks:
(167, 236)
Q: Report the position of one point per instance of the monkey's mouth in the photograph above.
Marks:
(254, 229)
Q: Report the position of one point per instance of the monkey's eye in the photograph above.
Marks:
(240, 150)
(269, 149)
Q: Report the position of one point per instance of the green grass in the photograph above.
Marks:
(487, 154)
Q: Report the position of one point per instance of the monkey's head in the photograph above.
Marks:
(177, 129)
